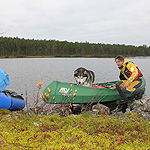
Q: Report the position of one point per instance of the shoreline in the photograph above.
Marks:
(68, 56)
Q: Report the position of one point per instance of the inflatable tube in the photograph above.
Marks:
(5, 101)
(17, 104)
(11, 100)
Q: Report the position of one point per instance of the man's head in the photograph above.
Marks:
(119, 60)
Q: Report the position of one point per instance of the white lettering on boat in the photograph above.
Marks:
(64, 90)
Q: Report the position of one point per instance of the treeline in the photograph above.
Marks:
(16, 47)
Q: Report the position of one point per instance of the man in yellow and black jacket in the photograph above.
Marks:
(130, 80)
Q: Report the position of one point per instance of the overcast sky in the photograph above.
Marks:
(95, 21)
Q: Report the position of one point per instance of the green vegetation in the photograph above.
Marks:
(22, 131)
(15, 47)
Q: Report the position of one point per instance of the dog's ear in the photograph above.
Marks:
(85, 72)
(76, 71)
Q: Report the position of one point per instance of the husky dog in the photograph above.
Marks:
(84, 77)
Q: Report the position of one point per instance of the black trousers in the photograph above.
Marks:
(133, 88)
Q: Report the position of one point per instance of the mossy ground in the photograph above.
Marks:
(22, 131)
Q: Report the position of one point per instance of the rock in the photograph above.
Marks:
(100, 109)
(142, 107)
(121, 115)
(62, 110)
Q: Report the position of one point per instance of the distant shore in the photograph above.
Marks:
(67, 56)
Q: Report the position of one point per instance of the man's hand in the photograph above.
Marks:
(113, 88)
(126, 85)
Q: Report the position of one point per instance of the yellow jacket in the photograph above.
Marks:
(129, 71)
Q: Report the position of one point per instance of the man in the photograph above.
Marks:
(130, 80)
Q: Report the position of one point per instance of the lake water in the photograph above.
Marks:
(24, 73)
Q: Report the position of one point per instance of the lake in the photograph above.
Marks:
(24, 73)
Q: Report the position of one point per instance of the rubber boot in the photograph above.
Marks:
(121, 105)
(140, 94)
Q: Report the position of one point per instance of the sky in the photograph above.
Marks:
(94, 21)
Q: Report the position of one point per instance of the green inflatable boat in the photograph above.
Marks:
(61, 92)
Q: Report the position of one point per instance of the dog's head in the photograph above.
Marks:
(80, 75)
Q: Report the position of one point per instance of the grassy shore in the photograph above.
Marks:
(22, 131)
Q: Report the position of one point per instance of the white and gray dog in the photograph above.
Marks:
(84, 77)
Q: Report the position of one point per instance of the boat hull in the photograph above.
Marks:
(62, 92)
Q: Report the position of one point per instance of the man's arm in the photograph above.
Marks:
(133, 69)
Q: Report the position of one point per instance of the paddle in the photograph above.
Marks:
(4, 80)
